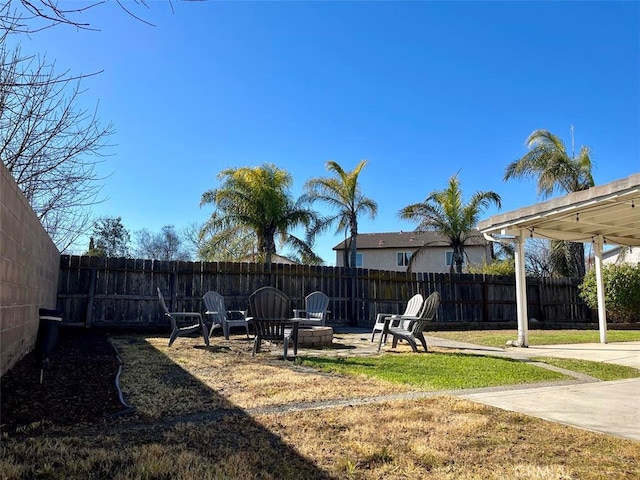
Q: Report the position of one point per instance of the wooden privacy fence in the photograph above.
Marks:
(121, 292)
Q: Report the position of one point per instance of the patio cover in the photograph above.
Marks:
(605, 214)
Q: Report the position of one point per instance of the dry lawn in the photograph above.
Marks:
(225, 375)
(445, 437)
(192, 422)
(440, 437)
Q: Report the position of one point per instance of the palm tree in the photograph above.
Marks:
(342, 193)
(548, 161)
(257, 200)
(444, 211)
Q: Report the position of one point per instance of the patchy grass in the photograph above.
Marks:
(436, 371)
(445, 438)
(225, 374)
(439, 438)
(191, 422)
(499, 338)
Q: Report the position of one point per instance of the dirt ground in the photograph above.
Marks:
(78, 387)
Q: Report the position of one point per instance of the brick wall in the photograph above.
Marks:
(29, 267)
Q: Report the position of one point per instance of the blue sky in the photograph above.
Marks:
(422, 90)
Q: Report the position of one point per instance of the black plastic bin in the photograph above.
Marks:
(50, 321)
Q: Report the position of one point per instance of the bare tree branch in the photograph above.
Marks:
(32, 16)
(50, 145)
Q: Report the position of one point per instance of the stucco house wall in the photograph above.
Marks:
(380, 251)
(619, 254)
(29, 266)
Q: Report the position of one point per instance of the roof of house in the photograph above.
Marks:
(275, 258)
(411, 239)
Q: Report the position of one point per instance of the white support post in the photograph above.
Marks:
(602, 312)
(521, 291)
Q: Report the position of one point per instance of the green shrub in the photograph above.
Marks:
(497, 267)
(622, 292)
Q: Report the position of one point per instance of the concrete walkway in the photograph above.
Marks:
(620, 353)
(606, 407)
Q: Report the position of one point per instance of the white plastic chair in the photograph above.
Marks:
(175, 319)
(315, 310)
(215, 308)
(411, 329)
(412, 310)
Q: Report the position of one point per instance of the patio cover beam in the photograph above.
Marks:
(605, 214)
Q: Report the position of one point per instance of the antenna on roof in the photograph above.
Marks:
(573, 150)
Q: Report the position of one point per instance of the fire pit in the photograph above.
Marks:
(315, 337)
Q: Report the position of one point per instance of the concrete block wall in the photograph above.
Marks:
(29, 267)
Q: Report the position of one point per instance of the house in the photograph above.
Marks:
(620, 254)
(392, 251)
(275, 258)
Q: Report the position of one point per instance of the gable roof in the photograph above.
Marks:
(408, 240)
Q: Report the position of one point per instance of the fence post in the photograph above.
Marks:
(485, 298)
(93, 273)
(174, 288)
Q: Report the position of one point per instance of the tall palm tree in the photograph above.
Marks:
(548, 162)
(445, 212)
(257, 199)
(342, 193)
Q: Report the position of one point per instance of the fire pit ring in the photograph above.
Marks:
(315, 337)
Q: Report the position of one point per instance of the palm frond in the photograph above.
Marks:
(548, 162)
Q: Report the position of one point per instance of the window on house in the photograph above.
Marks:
(449, 258)
(403, 258)
(359, 261)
